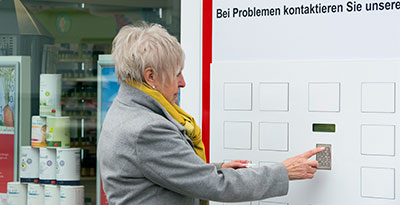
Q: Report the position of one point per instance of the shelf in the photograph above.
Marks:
(84, 79)
(68, 98)
(74, 60)
(88, 178)
(83, 117)
(79, 109)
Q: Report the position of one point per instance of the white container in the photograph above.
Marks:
(72, 195)
(68, 166)
(38, 137)
(51, 195)
(29, 164)
(50, 95)
(58, 132)
(16, 193)
(48, 162)
(35, 194)
(3, 199)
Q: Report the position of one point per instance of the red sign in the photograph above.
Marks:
(6, 161)
(103, 198)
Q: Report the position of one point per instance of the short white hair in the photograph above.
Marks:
(147, 45)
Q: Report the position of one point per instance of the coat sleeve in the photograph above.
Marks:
(166, 159)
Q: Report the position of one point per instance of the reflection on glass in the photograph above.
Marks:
(66, 37)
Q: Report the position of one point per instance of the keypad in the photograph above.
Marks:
(324, 158)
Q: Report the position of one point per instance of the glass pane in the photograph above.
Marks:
(64, 38)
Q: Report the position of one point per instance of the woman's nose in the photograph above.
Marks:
(181, 82)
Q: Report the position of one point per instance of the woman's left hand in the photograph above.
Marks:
(236, 164)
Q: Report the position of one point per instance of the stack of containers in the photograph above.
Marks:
(50, 169)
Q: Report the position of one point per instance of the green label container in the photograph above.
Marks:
(58, 131)
(50, 95)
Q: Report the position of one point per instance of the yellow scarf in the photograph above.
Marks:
(192, 130)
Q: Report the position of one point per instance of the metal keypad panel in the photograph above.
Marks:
(324, 158)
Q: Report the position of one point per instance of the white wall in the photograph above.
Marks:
(191, 32)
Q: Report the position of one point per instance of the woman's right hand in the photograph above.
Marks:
(300, 167)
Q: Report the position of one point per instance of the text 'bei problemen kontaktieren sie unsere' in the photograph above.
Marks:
(306, 9)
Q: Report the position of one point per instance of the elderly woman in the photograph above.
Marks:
(150, 151)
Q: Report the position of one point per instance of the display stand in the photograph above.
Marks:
(15, 112)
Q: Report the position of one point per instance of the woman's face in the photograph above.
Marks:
(170, 89)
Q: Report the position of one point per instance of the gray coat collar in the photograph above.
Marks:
(132, 96)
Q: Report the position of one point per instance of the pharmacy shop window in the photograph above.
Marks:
(49, 52)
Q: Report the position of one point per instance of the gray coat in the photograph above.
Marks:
(146, 158)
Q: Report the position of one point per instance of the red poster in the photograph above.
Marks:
(7, 118)
(6, 161)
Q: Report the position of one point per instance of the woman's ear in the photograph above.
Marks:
(148, 75)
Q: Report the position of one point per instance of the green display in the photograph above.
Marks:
(323, 127)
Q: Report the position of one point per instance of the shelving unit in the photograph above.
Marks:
(79, 102)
